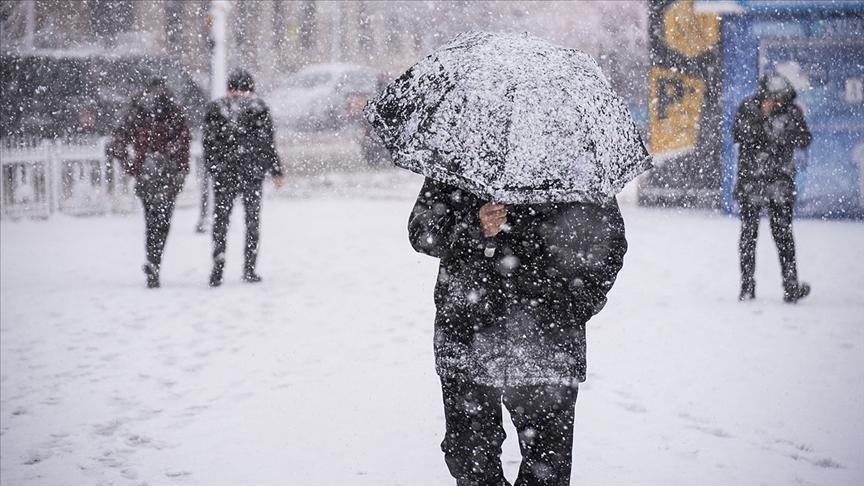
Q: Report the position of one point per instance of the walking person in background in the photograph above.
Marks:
(158, 132)
(768, 128)
(239, 151)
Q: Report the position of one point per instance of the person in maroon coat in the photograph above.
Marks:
(159, 135)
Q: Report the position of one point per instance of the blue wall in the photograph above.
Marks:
(828, 47)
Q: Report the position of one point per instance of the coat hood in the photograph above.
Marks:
(157, 102)
(777, 87)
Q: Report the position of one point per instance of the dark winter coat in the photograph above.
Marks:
(155, 127)
(766, 167)
(517, 318)
(239, 147)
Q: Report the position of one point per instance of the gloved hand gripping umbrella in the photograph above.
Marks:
(512, 119)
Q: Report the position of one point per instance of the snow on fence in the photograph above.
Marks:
(41, 177)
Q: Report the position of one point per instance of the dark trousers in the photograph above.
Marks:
(158, 209)
(224, 196)
(781, 228)
(543, 416)
(205, 196)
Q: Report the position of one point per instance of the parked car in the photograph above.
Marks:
(59, 96)
(322, 97)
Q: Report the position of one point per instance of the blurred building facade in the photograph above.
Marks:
(275, 37)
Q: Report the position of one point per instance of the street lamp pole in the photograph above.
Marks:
(336, 34)
(29, 24)
(218, 41)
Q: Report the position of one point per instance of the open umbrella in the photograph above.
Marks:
(513, 119)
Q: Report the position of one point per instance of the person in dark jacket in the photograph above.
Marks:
(516, 286)
(158, 132)
(768, 128)
(239, 151)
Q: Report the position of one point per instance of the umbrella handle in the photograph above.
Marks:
(489, 246)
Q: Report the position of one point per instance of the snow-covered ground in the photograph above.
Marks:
(323, 373)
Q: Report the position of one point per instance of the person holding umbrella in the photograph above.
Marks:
(523, 145)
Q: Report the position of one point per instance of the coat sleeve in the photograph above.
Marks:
(740, 127)
(268, 144)
(444, 222)
(184, 139)
(601, 277)
(210, 137)
(121, 138)
(181, 139)
(588, 253)
(798, 134)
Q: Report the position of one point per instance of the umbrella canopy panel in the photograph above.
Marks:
(512, 118)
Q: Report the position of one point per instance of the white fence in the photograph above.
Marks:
(42, 177)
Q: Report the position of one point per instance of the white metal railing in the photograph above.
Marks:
(74, 176)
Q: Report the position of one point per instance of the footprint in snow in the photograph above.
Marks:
(109, 428)
(632, 407)
(714, 431)
(828, 463)
(692, 418)
(178, 474)
(35, 456)
(111, 459)
(193, 368)
(799, 446)
(109, 357)
(51, 401)
(825, 462)
(141, 441)
(193, 410)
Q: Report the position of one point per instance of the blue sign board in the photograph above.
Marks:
(775, 6)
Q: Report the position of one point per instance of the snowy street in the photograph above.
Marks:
(323, 373)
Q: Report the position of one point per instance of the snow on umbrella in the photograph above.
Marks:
(513, 119)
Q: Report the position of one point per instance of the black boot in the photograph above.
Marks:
(250, 276)
(152, 272)
(251, 258)
(748, 291)
(797, 293)
(216, 274)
